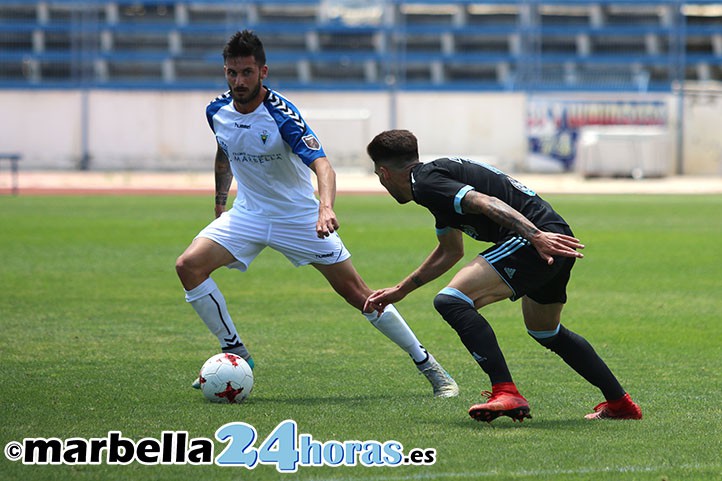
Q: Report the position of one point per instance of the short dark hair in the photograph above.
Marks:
(245, 44)
(395, 148)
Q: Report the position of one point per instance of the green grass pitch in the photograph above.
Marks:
(96, 337)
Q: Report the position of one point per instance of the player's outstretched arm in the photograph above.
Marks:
(441, 259)
(224, 178)
(326, 177)
(548, 244)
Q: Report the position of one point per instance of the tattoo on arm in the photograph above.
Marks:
(224, 177)
(506, 216)
(221, 199)
(417, 281)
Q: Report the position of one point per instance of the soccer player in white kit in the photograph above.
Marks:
(264, 143)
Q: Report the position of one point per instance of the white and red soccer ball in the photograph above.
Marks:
(226, 378)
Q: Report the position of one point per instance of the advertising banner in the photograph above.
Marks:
(554, 125)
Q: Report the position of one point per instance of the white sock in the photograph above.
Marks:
(393, 326)
(210, 305)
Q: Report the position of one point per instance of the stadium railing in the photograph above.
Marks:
(434, 44)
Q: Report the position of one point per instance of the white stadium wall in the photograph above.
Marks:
(44, 127)
(151, 130)
(702, 131)
(168, 130)
(484, 125)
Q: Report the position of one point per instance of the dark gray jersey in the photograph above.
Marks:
(442, 184)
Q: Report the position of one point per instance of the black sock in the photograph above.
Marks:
(581, 356)
(476, 334)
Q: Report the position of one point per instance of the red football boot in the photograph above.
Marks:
(504, 400)
(622, 408)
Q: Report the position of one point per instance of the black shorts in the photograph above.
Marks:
(519, 264)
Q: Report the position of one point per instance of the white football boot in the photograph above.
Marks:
(442, 382)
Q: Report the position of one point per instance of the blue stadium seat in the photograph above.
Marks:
(433, 44)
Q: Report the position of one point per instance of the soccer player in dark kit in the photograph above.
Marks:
(531, 259)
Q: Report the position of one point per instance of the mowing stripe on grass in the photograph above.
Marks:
(531, 473)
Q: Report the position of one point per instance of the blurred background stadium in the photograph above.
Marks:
(602, 87)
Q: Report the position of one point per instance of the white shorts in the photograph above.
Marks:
(245, 235)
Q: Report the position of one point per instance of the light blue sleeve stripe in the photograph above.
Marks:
(450, 291)
(544, 334)
(443, 231)
(460, 195)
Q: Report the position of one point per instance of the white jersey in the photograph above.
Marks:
(269, 150)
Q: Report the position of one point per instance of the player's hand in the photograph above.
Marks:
(550, 244)
(378, 300)
(327, 222)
